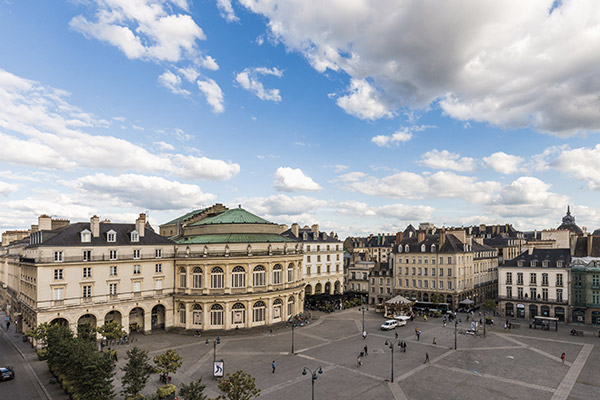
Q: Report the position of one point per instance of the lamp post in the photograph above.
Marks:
(293, 326)
(314, 377)
(390, 344)
(215, 343)
(362, 308)
(455, 327)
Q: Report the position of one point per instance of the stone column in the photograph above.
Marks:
(147, 321)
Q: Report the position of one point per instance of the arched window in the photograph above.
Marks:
(238, 313)
(197, 278)
(216, 278)
(433, 248)
(277, 304)
(277, 271)
(399, 248)
(290, 306)
(290, 273)
(216, 315)
(258, 311)
(238, 277)
(197, 314)
(182, 277)
(406, 249)
(182, 313)
(422, 248)
(258, 275)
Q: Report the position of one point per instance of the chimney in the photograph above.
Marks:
(140, 224)
(95, 226)
(421, 236)
(44, 223)
(589, 246)
(315, 228)
(399, 237)
(295, 230)
(478, 240)
(442, 237)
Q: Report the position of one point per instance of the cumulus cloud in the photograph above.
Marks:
(150, 192)
(503, 163)
(7, 188)
(290, 180)
(173, 83)
(400, 136)
(206, 168)
(144, 29)
(165, 146)
(213, 93)
(397, 211)
(502, 62)
(581, 163)
(282, 205)
(528, 197)
(226, 10)
(248, 79)
(446, 160)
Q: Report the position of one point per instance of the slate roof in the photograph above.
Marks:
(550, 255)
(233, 216)
(185, 216)
(568, 222)
(70, 235)
(451, 245)
(235, 238)
(321, 237)
(581, 247)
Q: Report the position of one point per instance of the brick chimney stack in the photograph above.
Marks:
(140, 224)
(95, 226)
(295, 230)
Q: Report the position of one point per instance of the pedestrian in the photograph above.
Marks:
(404, 346)
(273, 365)
(426, 358)
(434, 340)
(396, 334)
(271, 332)
(7, 325)
(364, 334)
(366, 350)
(563, 357)
(359, 361)
(418, 335)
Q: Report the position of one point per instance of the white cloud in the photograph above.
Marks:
(282, 205)
(213, 93)
(501, 62)
(363, 101)
(248, 79)
(582, 163)
(351, 177)
(204, 168)
(503, 163)
(172, 82)
(528, 197)
(165, 146)
(405, 212)
(355, 208)
(144, 29)
(209, 63)
(7, 188)
(151, 192)
(445, 160)
(400, 136)
(226, 10)
(337, 168)
(290, 180)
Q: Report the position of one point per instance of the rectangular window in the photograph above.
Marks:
(290, 277)
(87, 255)
(158, 284)
(112, 254)
(544, 294)
(533, 294)
(433, 284)
(442, 285)
(519, 278)
(420, 283)
(307, 259)
(318, 270)
(559, 280)
(87, 291)
(406, 282)
(449, 285)
(595, 280)
(58, 274)
(111, 237)
(216, 317)
(58, 256)
(318, 258)
(112, 289)
(137, 269)
(158, 253)
(137, 287)
(136, 254)
(158, 268)
(328, 257)
(509, 292)
(426, 284)
(380, 290)
(433, 260)
(449, 260)
(277, 275)
(183, 279)
(559, 295)
(216, 281)
(544, 279)
(441, 260)
(432, 271)
(519, 293)
(595, 297)
(238, 279)
(308, 271)
(414, 271)
(449, 272)
(533, 279)
(425, 271)
(87, 272)
(113, 270)
(509, 278)
(414, 283)
(441, 271)
(58, 294)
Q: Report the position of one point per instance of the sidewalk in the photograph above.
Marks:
(40, 369)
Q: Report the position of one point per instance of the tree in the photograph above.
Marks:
(489, 304)
(239, 386)
(92, 372)
(112, 330)
(193, 391)
(137, 372)
(86, 332)
(40, 334)
(167, 362)
(437, 298)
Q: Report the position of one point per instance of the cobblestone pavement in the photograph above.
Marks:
(516, 364)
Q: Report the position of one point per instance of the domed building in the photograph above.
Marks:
(568, 223)
(234, 270)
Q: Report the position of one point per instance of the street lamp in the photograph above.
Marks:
(362, 308)
(455, 327)
(314, 377)
(390, 344)
(293, 326)
(215, 343)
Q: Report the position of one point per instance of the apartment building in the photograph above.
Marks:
(585, 280)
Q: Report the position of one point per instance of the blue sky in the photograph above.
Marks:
(362, 116)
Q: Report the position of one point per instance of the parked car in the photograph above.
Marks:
(389, 324)
(6, 373)
(402, 319)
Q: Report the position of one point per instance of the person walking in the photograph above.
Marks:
(364, 334)
(7, 325)
(563, 357)
(403, 346)
(358, 361)
(273, 366)
(366, 350)
(426, 358)
(396, 334)
(418, 335)
(434, 342)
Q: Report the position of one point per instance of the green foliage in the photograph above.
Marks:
(39, 333)
(239, 386)
(168, 362)
(166, 391)
(436, 298)
(86, 332)
(137, 372)
(112, 330)
(193, 391)
(489, 304)
(42, 354)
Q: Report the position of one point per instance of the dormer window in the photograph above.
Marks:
(407, 249)
(533, 263)
(559, 263)
(422, 248)
(86, 236)
(433, 248)
(111, 236)
(545, 263)
(400, 248)
(304, 236)
(520, 263)
(135, 236)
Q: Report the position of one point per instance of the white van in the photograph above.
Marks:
(402, 319)
(389, 324)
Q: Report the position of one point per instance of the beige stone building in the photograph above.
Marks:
(89, 273)
(235, 270)
(323, 268)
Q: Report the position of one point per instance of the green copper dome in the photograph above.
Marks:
(233, 216)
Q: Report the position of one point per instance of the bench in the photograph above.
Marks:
(576, 333)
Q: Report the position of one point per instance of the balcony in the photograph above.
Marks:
(99, 257)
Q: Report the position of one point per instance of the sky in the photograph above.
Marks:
(361, 116)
